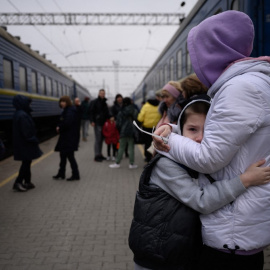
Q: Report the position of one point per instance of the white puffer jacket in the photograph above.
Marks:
(237, 133)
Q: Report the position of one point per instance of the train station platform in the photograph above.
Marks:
(70, 225)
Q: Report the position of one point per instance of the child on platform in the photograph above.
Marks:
(166, 230)
(111, 134)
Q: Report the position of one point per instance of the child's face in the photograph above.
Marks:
(193, 128)
(112, 119)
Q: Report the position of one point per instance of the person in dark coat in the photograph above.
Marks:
(99, 113)
(115, 109)
(68, 139)
(78, 107)
(117, 105)
(124, 124)
(25, 142)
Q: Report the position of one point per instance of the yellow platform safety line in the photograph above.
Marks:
(7, 180)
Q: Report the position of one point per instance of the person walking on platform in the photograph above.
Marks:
(124, 124)
(68, 139)
(85, 118)
(25, 142)
(149, 117)
(99, 113)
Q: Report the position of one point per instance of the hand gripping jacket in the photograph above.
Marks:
(164, 234)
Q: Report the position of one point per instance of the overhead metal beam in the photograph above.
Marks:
(91, 18)
(105, 69)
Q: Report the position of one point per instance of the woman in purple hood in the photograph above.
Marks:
(236, 132)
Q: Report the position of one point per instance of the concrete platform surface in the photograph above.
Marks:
(62, 225)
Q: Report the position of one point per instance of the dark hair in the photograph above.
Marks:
(126, 101)
(66, 99)
(193, 86)
(117, 96)
(197, 105)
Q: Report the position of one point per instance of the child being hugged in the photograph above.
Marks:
(111, 134)
(165, 232)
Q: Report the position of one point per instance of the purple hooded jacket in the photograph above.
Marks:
(236, 130)
(212, 50)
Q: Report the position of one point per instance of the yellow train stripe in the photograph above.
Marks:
(9, 92)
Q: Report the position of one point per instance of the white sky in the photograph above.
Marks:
(99, 45)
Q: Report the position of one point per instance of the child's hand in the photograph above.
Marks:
(254, 175)
(163, 131)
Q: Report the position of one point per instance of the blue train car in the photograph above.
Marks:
(24, 71)
(174, 61)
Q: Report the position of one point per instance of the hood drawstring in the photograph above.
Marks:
(232, 251)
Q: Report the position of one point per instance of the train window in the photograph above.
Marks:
(165, 73)
(48, 86)
(188, 62)
(67, 91)
(34, 82)
(42, 85)
(171, 69)
(60, 89)
(22, 77)
(235, 5)
(179, 64)
(161, 77)
(55, 89)
(8, 74)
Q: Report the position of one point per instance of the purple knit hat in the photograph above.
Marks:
(217, 41)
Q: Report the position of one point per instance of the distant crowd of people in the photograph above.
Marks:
(112, 124)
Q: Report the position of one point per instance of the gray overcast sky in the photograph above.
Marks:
(98, 45)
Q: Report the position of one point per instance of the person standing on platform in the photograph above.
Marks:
(124, 124)
(149, 117)
(68, 139)
(190, 86)
(166, 231)
(170, 93)
(78, 107)
(99, 113)
(25, 142)
(111, 134)
(85, 118)
(236, 134)
(115, 109)
(117, 105)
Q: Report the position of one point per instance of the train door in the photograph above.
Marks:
(266, 27)
(259, 11)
